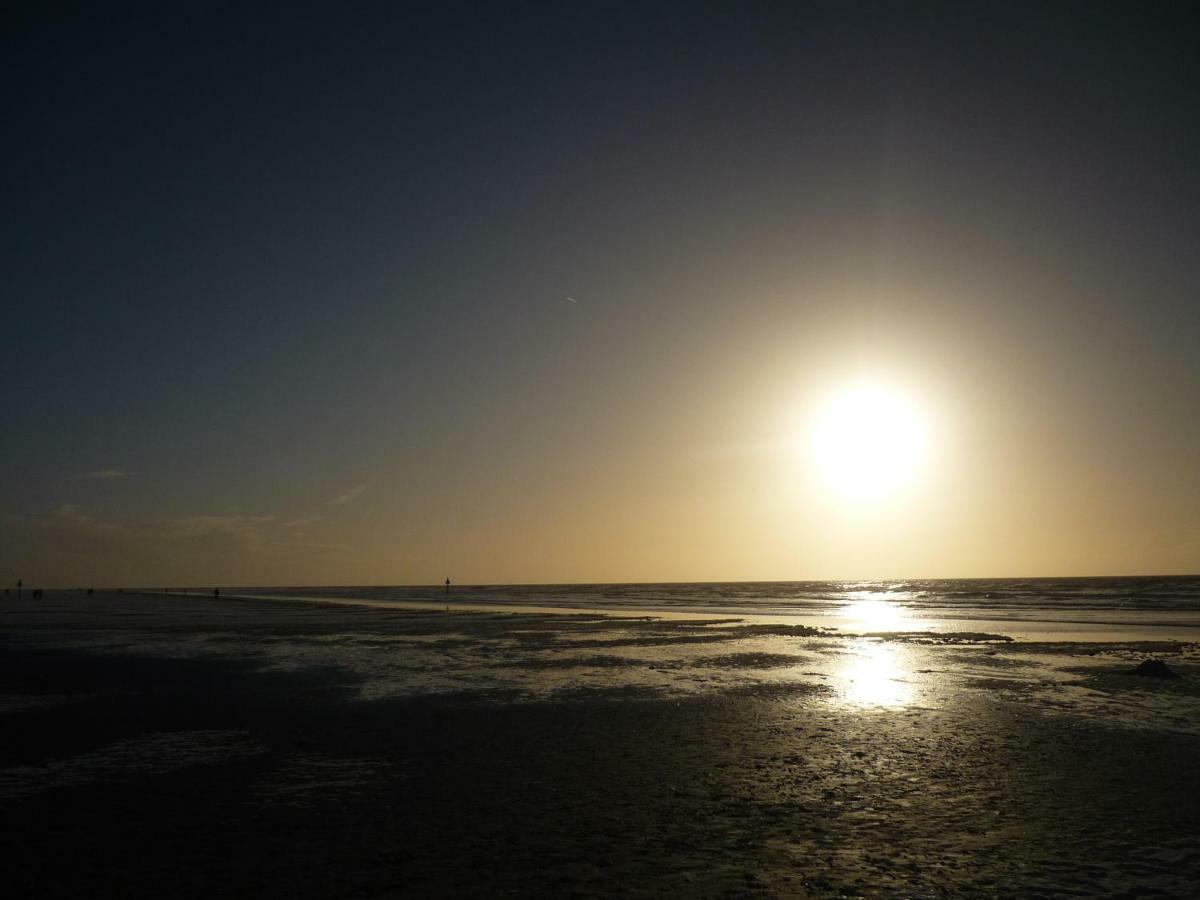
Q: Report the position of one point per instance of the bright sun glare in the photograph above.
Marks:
(869, 442)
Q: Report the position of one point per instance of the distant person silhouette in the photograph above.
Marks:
(447, 585)
(216, 593)
(90, 591)
(20, 584)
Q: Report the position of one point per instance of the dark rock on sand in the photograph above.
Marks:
(1154, 668)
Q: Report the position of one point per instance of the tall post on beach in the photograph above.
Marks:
(447, 586)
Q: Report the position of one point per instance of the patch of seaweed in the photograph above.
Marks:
(653, 641)
(601, 661)
(946, 637)
(750, 661)
(780, 630)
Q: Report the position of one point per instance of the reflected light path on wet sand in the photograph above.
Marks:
(874, 674)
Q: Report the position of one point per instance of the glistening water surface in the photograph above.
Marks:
(1102, 609)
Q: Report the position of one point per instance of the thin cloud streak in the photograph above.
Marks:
(69, 546)
(351, 495)
(102, 475)
(303, 522)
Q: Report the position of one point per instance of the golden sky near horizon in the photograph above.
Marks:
(759, 456)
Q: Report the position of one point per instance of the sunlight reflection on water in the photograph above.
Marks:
(868, 612)
(874, 674)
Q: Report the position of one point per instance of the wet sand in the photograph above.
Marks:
(189, 747)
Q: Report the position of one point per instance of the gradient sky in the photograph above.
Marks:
(286, 290)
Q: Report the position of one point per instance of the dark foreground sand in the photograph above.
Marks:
(170, 747)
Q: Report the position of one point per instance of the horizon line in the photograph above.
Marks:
(517, 584)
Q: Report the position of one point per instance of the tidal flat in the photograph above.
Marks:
(182, 746)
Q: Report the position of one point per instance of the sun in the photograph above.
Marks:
(868, 442)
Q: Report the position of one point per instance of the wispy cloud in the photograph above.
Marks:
(302, 522)
(103, 475)
(73, 546)
(353, 494)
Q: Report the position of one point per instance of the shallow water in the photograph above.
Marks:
(869, 654)
(1047, 599)
(1077, 609)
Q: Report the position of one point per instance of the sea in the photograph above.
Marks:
(1144, 600)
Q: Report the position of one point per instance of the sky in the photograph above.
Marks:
(517, 293)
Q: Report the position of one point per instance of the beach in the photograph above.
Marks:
(185, 745)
